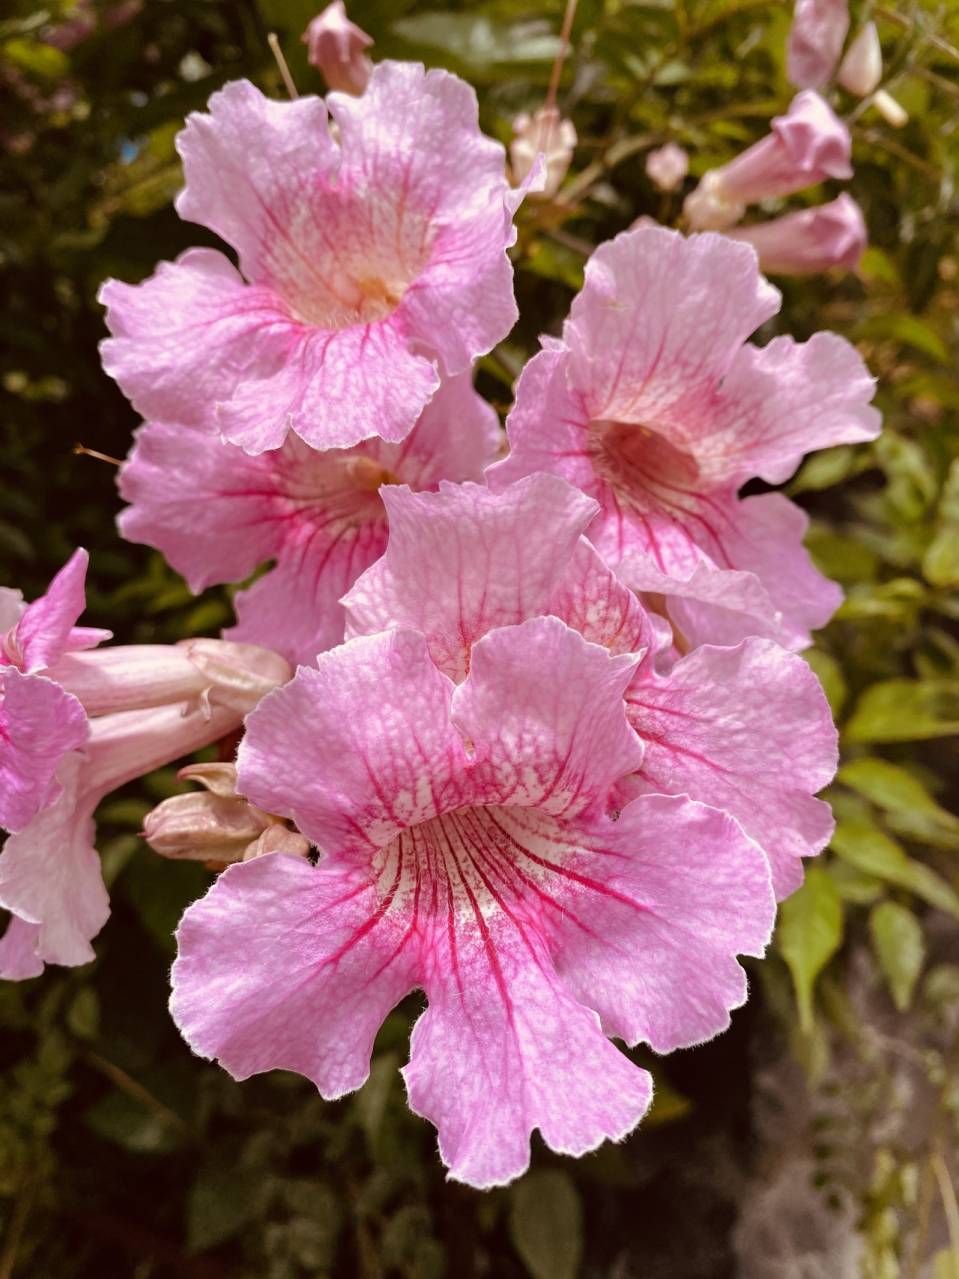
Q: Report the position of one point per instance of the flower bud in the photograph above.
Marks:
(336, 48)
(217, 778)
(544, 133)
(829, 235)
(278, 839)
(891, 111)
(238, 675)
(667, 166)
(203, 827)
(861, 68)
(806, 145)
(815, 41)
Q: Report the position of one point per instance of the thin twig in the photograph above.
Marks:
(21, 1211)
(900, 20)
(274, 43)
(557, 71)
(949, 1205)
(126, 1083)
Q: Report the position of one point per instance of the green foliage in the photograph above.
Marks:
(122, 1155)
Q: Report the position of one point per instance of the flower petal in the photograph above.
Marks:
(670, 894)
(187, 336)
(746, 730)
(45, 628)
(544, 714)
(366, 741)
(290, 966)
(503, 1049)
(465, 560)
(39, 724)
(18, 951)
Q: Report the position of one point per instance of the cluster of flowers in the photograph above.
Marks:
(549, 753)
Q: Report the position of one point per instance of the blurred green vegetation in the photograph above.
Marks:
(820, 1132)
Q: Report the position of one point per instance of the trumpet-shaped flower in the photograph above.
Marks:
(217, 513)
(467, 850)
(816, 239)
(117, 713)
(372, 258)
(805, 146)
(656, 405)
(744, 729)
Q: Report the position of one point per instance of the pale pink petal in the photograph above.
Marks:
(11, 608)
(592, 600)
(464, 560)
(711, 606)
(768, 541)
(18, 951)
(187, 337)
(503, 1049)
(746, 730)
(815, 41)
(324, 960)
(252, 167)
(50, 872)
(659, 322)
(668, 896)
(456, 437)
(543, 712)
(39, 724)
(366, 743)
(295, 608)
(334, 389)
(45, 627)
(206, 505)
(810, 240)
(781, 401)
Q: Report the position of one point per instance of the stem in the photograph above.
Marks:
(949, 1205)
(560, 58)
(277, 52)
(81, 450)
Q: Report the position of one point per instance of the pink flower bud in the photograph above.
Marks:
(542, 133)
(218, 778)
(815, 41)
(278, 839)
(806, 145)
(336, 48)
(203, 827)
(861, 68)
(829, 235)
(667, 166)
(135, 676)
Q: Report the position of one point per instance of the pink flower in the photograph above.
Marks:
(337, 49)
(542, 133)
(655, 405)
(217, 513)
(370, 264)
(667, 166)
(39, 722)
(805, 146)
(827, 235)
(719, 727)
(815, 41)
(468, 851)
(91, 722)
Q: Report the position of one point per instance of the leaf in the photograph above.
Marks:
(898, 942)
(945, 1264)
(905, 710)
(911, 809)
(221, 1202)
(862, 843)
(130, 1124)
(829, 673)
(908, 329)
(477, 41)
(809, 934)
(546, 1224)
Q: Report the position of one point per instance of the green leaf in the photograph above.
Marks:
(899, 946)
(477, 40)
(809, 934)
(130, 1124)
(222, 1200)
(945, 1264)
(546, 1224)
(909, 330)
(911, 810)
(905, 710)
(862, 843)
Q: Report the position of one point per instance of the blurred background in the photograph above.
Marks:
(817, 1138)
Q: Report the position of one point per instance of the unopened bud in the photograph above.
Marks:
(891, 111)
(238, 675)
(667, 166)
(815, 41)
(336, 47)
(542, 133)
(203, 827)
(861, 68)
(278, 839)
(217, 778)
(829, 235)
